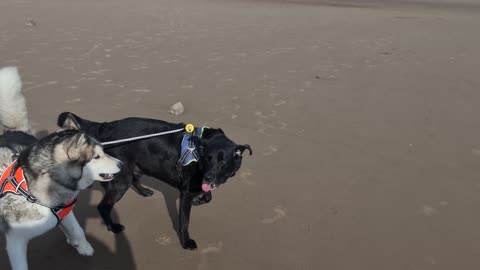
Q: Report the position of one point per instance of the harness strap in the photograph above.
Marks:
(188, 149)
(59, 211)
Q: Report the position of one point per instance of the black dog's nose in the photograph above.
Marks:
(208, 178)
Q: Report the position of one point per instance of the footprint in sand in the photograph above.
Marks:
(271, 150)
(429, 210)
(139, 67)
(86, 79)
(75, 100)
(262, 129)
(476, 151)
(280, 213)
(280, 102)
(273, 114)
(245, 175)
(431, 260)
(164, 240)
(213, 249)
(143, 90)
(283, 125)
(260, 114)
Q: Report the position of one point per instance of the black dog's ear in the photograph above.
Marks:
(61, 118)
(242, 148)
(68, 120)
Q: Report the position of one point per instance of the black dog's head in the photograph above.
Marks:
(220, 157)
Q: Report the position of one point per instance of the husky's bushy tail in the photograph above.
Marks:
(13, 108)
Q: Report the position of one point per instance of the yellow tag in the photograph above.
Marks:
(189, 128)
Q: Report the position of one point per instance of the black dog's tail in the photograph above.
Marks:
(13, 107)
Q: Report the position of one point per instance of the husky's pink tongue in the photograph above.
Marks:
(206, 187)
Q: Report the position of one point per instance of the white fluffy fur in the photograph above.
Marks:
(13, 109)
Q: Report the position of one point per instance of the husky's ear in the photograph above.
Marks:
(73, 151)
(69, 121)
(81, 148)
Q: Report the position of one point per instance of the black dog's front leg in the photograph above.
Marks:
(184, 218)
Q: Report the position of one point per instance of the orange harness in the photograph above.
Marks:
(13, 181)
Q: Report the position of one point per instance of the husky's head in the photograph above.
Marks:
(86, 153)
(71, 159)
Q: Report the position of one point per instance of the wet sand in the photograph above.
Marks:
(362, 116)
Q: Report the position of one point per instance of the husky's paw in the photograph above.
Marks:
(83, 247)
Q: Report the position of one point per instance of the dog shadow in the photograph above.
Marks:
(170, 194)
(50, 251)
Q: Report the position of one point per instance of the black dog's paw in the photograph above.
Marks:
(146, 192)
(202, 199)
(190, 244)
(116, 228)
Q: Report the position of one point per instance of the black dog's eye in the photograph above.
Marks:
(97, 157)
(236, 157)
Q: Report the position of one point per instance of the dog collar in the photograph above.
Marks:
(13, 181)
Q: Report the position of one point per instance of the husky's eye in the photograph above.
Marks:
(97, 157)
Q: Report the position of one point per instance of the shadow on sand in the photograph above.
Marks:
(50, 251)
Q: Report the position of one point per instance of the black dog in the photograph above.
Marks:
(219, 159)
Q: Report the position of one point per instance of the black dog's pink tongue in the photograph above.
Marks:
(206, 187)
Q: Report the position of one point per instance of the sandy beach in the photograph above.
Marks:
(363, 118)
